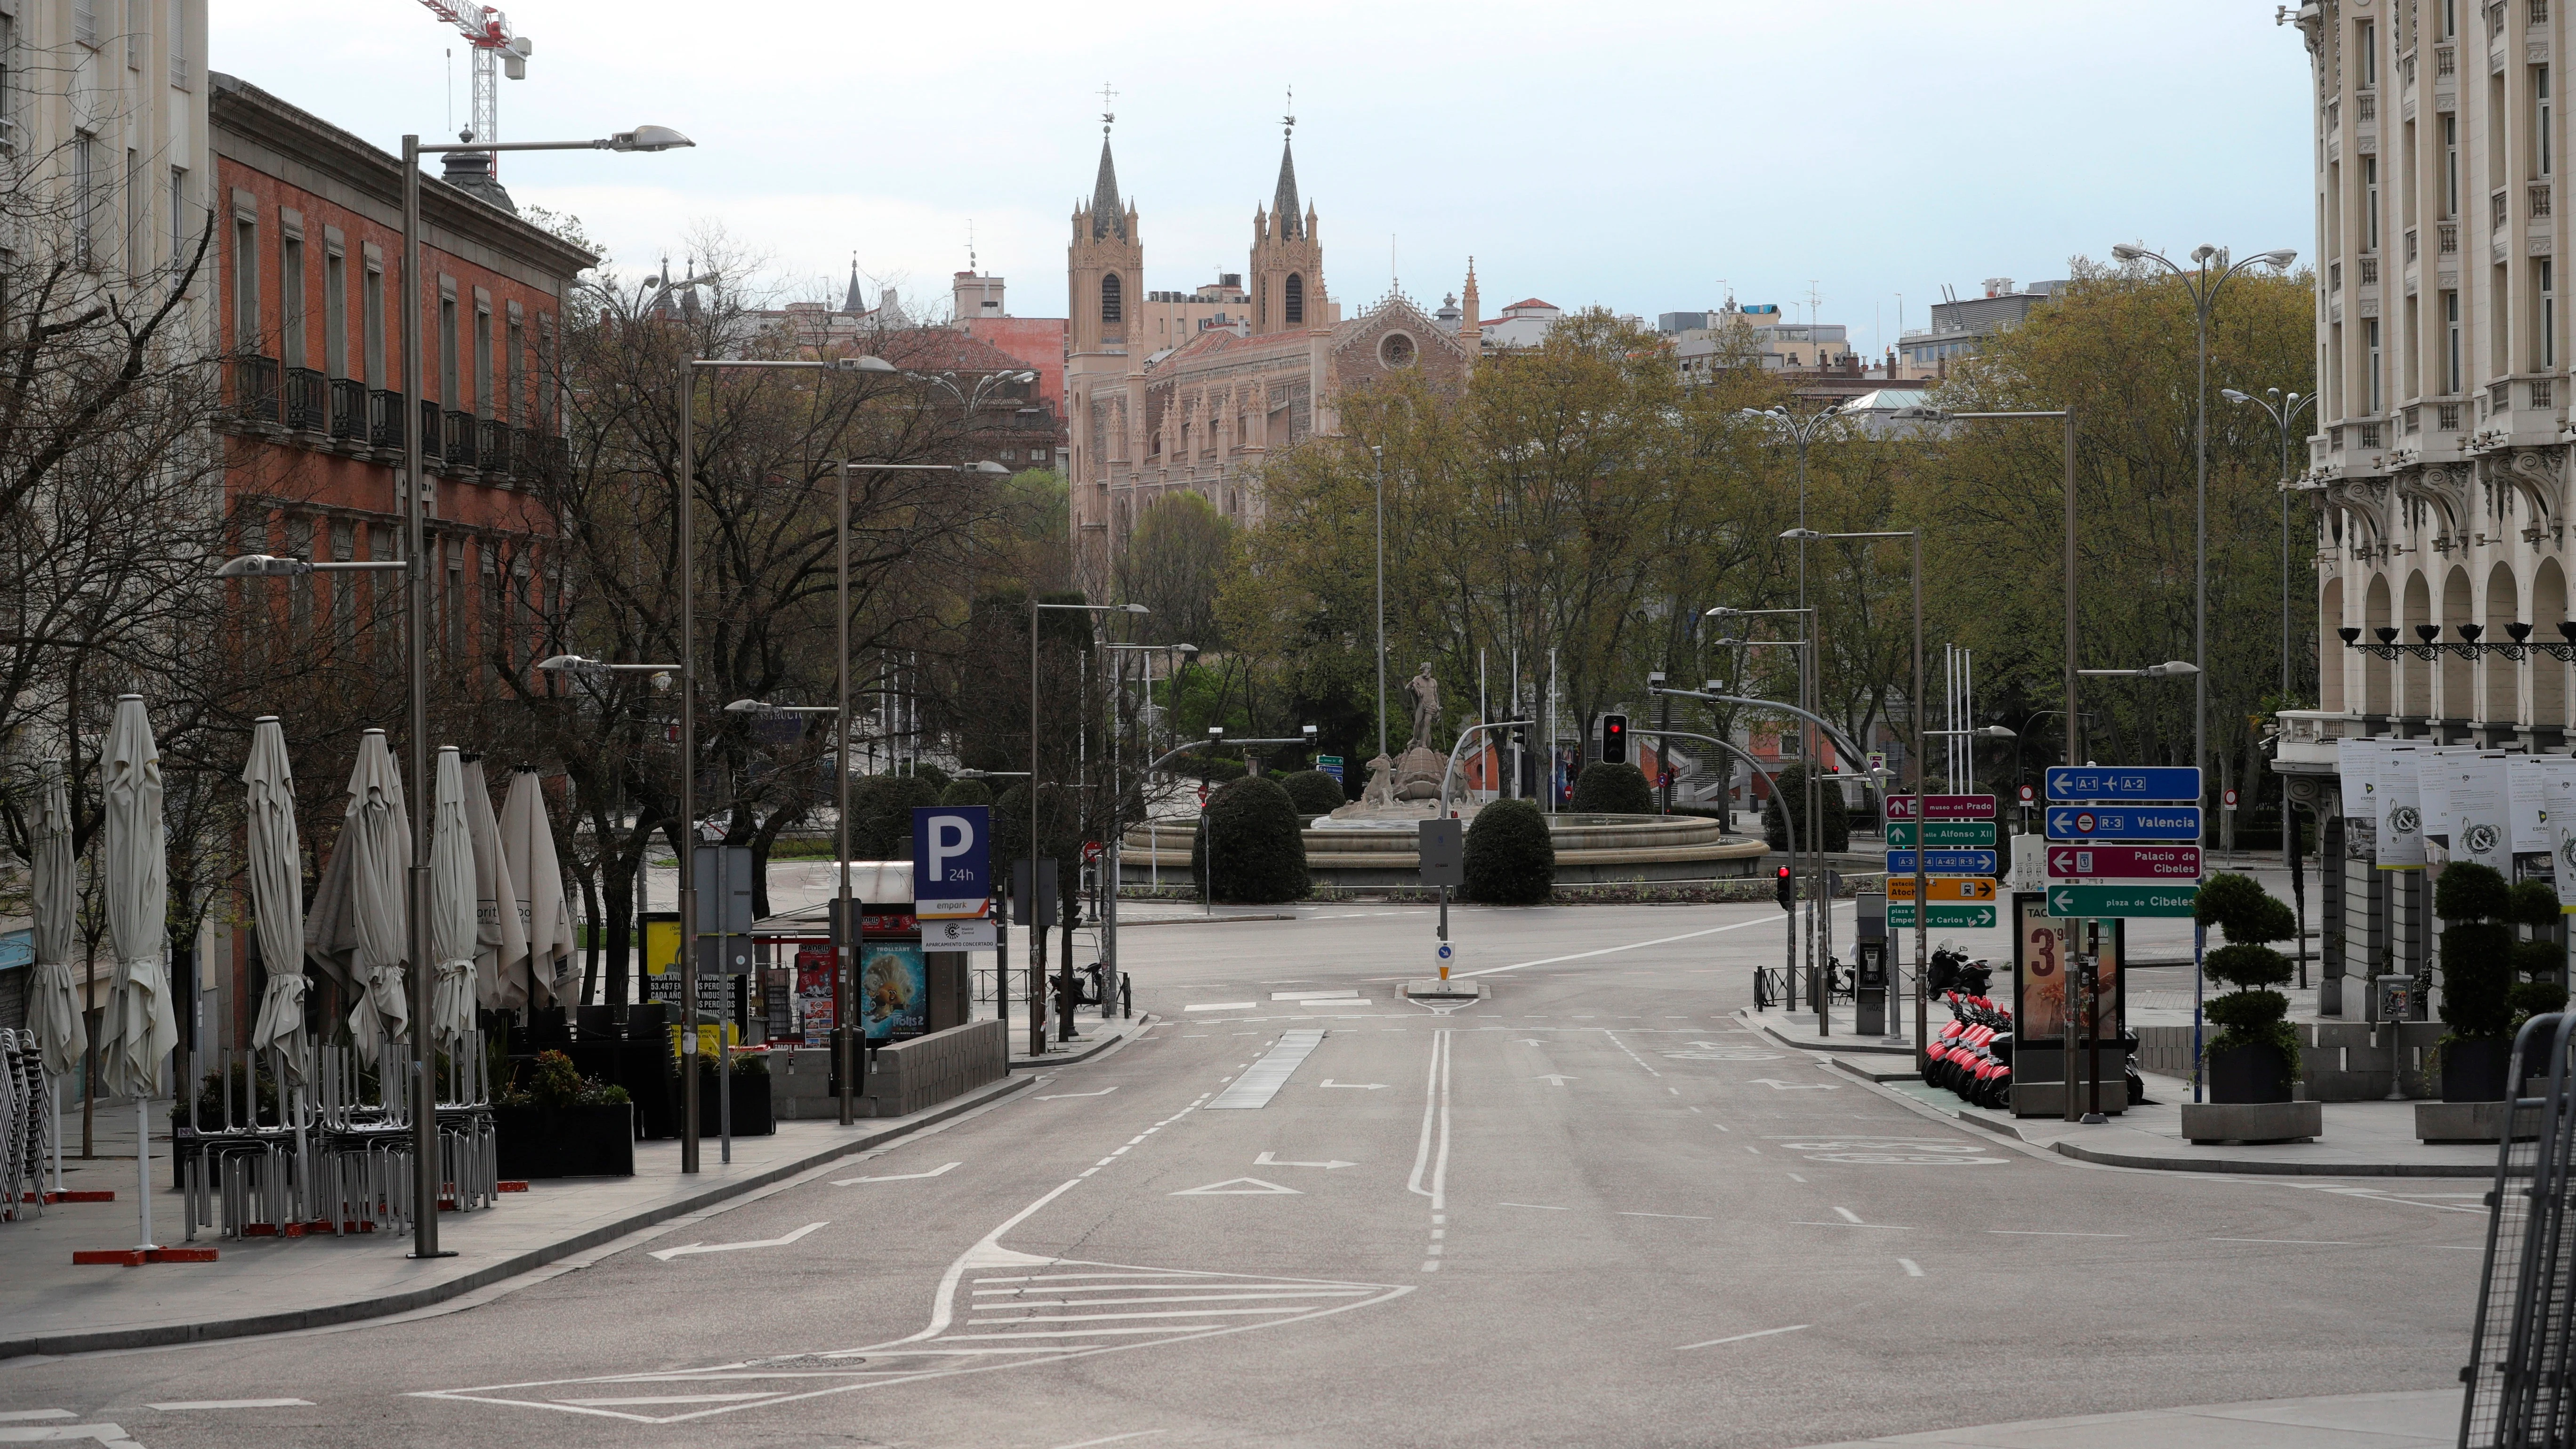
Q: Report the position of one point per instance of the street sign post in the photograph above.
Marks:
(1943, 807)
(1330, 765)
(2177, 864)
(2124, 822)
(1900, 917)
(1942, 834)
(1943, 862)
(1942, 888)
(1440, 846)
(2118, 784)
(2121, 900)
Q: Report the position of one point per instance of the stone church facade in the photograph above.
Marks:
(1152, 415)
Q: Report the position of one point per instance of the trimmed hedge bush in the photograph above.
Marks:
(2252, 919)
(2478, 956)
(1260, 845)
(966, 792)
(1313, 793)
(1509, 859)
(1793, 788)
(1607, 789)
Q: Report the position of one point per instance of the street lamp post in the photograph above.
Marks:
(2283, 410)
(1118, 806)
(1805, 647)
(1378, 453)
(1037, 933)
(426, 1182)
(1803, 432)
(2170, 669)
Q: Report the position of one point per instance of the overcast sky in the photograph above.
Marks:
(1643, 155)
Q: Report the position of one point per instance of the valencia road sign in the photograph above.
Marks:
(2124, 822)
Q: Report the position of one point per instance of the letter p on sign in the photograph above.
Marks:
(952, 861)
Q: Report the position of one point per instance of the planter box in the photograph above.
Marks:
(2472, 1122)
(2252, 1121)
(2248, 1075)
(2473, 1070)
(566, 1141)
(752, 1115)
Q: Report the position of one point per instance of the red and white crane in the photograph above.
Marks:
(495, 46)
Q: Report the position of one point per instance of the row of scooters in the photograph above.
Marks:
(1972, 1057)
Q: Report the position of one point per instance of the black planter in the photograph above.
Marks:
(752, 1116)
(2248, 1074)
(2473, 1069)
(566, 1141)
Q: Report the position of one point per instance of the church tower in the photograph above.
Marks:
(1105, 266)
(1287, 271)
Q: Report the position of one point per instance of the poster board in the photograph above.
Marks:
(2039, 975)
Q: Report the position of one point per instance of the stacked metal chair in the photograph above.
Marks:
(23, 1124)
(236, 1172)
(470, 1144)
(362, 1148)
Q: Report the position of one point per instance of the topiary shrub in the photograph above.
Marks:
(2477, 951)
(1793, 788)
(966, 792)
(1609, 789)
(2539, 962)
(1509, 859)
(2252, 1014)
(1313, 792)
(1260, 843)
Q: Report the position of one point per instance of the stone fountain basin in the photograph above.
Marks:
(1590, 849)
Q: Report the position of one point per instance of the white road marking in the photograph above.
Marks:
(1238, 1187)
(1793, 1177)
(1780, 1086)
(111, 1435)
(1693, 1217)
(1314, 995)
(1350, 1087)
(1115, 1439)
(232, 1404)
(1890, 1227)
(2047, 1233)
(1912, 1268)
(1262, 1080)
(1266, 1160)
(1221, 1006)
(1435, 1107)
(1739, 1338)
(1068, 1096)
(667, 1254)
(1558, 1078)
(1612, 950)
(1847, 1215)
(2285, 1242)
(24, 1414)
(666, 1399)
(897, 1177)
(1542, 1207)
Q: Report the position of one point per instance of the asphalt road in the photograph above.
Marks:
(1589, 1209)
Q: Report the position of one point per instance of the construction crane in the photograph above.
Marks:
(488, 31)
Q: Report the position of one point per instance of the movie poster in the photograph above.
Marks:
(814, 997)
(894, 991)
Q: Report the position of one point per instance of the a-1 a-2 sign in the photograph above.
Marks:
(2124, 822)
(952, 861)
(1943, 807)
(1900, 916)
(2120, 784)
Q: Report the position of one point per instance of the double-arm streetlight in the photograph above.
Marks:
(2283, 409)
(1802, 432)
(1118, 797)
(1037, 928)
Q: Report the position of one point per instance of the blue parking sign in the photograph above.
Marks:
(952, 861)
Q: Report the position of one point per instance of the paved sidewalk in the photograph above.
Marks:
(269, 1285)
(1092, 1035)
(2425, 1420)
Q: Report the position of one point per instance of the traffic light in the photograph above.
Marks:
(1788, 889)
(1614, 739)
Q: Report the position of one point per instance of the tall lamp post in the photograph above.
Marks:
(1118, 803)
(1805, 645)
(425, 1153)
(1378, 455)
(2170, 669)
(1037, 933)
(1802, 432)
(2283, 410)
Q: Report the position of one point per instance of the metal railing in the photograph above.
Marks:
(2520, 1376)
(255, 388)
(348, 408)
(459, 437)
(492, 443)
(384, 418)
(308, 399)
(2540, 198)
(2450, 233)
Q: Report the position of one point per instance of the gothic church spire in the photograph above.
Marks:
(1283, 202)
(1108, 217)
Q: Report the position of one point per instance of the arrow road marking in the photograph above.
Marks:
(1240, 1187)
(1266, 1160)
(897, 1177)
(667, 1254)
(1780, 1086)
(1348, 1086)
(110, 1435)
(1739, 1338)
(1066, 1096)
(1559, 1078)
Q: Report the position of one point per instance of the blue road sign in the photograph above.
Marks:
(1943, 862)
(2124, 822)
(2119, 783)
(952, 860)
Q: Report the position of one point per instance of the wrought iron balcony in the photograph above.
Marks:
(348, 409)
(255, 388)
(459, 426)
(385, 418)
(492, 444)
(308, 399)
(432, 433)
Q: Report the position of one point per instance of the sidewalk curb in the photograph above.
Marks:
(164, 1335)
(2221, 1166)
(1144, 1019)
(1865, 1048)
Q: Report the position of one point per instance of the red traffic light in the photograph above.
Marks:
(1788, 889)
(1614, 739)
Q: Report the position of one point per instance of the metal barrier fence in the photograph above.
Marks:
(2521, 1390)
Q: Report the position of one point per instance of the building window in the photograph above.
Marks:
(178, 219)
(2450, 167)
(335, 313)
(85, 22)
(2370, 340)
(2369, 55)
(135, 232)
(2546, 352)
(179, 43)
(447, 351)
(2540, 115)
(1109, 311)
(514, 398)
(2451, 326)
(2370, 203)
(2450, 19)
(290, 300)
(1294, 301)
(134, 34)
(482, 363)
(245, 285)
(372, 303)
(85, 183)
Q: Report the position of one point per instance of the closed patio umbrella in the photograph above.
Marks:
(528, 839)
(451, 903)
(500, 930)
(275, 867)
(376, 839)
(61, 1034)
(141, 1028)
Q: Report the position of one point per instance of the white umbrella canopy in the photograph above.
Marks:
(376, 839)
(500, 926)
(451, 903)
(141, 1027)
(528, 839)
(276, 870)
(56, 1007)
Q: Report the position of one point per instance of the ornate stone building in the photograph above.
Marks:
(1152, 412)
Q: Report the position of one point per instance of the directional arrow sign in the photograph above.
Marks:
(1558, 1078)
(2175, 863)
(2137, 900)
(1943, 862)
(1266, 1160)
(1943, 807)
(2123, 783)
(667, 1254)
(1958, 834)
(2124, 822)
(1900, 917)
(1942, 888)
